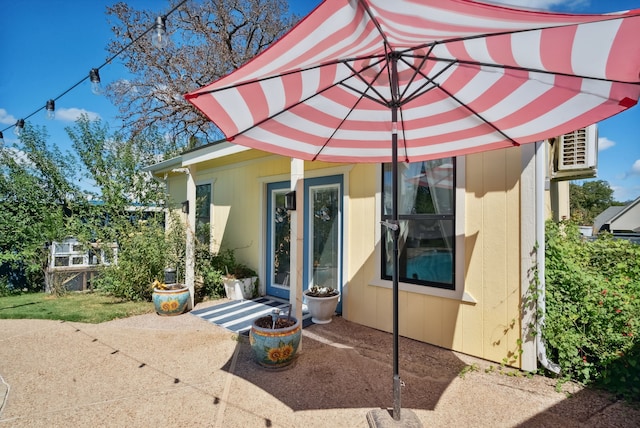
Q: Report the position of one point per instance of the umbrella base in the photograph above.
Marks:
(383, 418)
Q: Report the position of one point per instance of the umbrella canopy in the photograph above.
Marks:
(471, 77)
(413, 80)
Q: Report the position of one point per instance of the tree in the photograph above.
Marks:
(207, 41)
(128, 202)
(37, 196)
(589, 199)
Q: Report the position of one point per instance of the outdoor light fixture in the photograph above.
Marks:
(51, 109)
(1, 139)
(159, 33)
(19, 127)
(290, 201)
(185, 207)
(94, 76)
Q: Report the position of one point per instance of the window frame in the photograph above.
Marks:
(417, 217)
(458, 292)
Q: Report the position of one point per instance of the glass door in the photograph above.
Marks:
(278, 241)
(323, 232)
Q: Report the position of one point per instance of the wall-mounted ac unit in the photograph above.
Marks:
(575, 154)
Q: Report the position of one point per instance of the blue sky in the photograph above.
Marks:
(50, 45)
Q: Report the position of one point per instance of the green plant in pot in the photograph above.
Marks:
(240, 282)
(169, 299)
(321, 303)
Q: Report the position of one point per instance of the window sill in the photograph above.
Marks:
(459, 295)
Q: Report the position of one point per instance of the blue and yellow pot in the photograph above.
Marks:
(170, 301)
(275, 347)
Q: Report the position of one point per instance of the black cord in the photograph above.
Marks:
(108, 61)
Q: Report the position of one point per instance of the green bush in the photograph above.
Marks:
(142, 257)
(593, 308)
(212, 267)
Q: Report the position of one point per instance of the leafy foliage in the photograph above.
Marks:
(593, 308)
(141, 259)
(590, 199)
(36, 196)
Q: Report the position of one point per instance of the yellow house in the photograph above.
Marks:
(469, 228)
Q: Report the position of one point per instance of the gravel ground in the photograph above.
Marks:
(182, 371)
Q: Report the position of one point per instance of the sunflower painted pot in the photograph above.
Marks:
(275, 347)
(172, 301)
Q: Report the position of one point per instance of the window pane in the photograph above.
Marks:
(203, 213)
(281, 240)
(426, 252)
(424, 187)
(427, 223)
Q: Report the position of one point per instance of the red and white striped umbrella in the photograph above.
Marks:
(471, 77)
(412, 80)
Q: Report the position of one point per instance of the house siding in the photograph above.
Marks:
(488, 328)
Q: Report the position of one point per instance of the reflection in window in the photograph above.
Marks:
(426, 211)
(282, 240)
(203, 213)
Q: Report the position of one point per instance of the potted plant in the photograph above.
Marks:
(169, 299)
(322, 303)
(240, 282)
(275, 339)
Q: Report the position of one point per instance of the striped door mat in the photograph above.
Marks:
(237, 315)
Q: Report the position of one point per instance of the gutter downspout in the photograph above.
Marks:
(540, 257)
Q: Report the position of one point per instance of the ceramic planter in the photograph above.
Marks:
(170, 301)
(275, 347)
(239, 289)
(322, 309)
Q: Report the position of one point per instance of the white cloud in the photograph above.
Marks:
(6, 118)
(635, 169)
(542, 4)
(73, 114)
(604, 143)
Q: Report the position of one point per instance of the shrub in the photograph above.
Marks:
(593, 311)
(142, 256)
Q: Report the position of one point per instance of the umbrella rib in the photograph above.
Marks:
(525, 30)
(364, 94)
(416, 71)
(373, 19)
(430, 80)
(344, 119)
(478, 115)
(369, 85)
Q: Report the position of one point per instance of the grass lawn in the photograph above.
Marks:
(80, 307)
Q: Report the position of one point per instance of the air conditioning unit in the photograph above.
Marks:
(575, 154)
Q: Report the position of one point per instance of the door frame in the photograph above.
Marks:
(329, 180)
(270, 289)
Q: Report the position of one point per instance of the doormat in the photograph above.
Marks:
(238, 315)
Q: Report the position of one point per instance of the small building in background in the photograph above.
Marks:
(73, 265)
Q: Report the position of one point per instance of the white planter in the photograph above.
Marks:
(322, 309)
(239, 289)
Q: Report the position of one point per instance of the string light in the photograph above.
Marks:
(159, 39)
(158, 35)
(94, 77)
(19, 126)
(51, 109)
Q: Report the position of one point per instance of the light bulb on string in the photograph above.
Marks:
(159, 33)
(51, 109)
(94, 77)
(19, 127)
(1, 139)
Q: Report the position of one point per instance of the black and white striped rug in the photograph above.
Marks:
(237, 315)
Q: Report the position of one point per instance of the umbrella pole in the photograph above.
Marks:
(395, 232)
